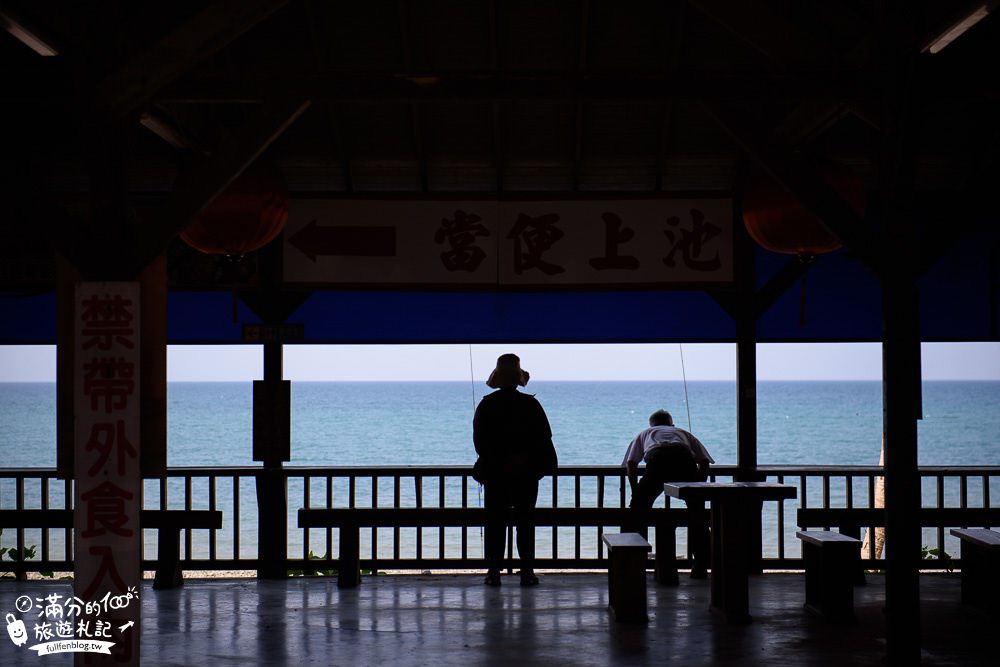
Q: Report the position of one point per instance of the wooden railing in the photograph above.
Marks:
(232, 490)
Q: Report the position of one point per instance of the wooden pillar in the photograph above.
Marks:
(153, 392)
(66, 278)
(107, 358)
(153, 334)
(898, 47)
(271, 444)
(901, 408)
(746, 396)
(271, 422)
(745, 314)
(746, 378)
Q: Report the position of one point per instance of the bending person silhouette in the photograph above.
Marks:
(671, 455)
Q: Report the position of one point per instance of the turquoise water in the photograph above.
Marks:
(410, 423)
(403, 423)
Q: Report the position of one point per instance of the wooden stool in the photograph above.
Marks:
(980, 566)
(627, 556)
(832, 561)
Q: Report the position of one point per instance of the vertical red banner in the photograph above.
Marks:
(108, 494)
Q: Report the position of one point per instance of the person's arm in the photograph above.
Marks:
(632, 470)
(701, 455)
(481, 428)
(633, 455)
(549, 462)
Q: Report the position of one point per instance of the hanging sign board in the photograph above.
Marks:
(107, 494)
(490, 243)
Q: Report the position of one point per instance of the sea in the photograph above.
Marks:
(430, 424)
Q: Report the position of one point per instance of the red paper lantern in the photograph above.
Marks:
(248, 214)
(778, 222)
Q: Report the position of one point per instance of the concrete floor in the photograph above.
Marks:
(445, 620)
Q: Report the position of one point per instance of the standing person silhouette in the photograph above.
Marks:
(514, 442)
(671, 455)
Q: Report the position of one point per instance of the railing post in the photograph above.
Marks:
(272, 549)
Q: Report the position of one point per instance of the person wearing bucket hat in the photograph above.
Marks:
(513, 439)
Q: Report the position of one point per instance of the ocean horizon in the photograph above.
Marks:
(370, 423)
(418, 423)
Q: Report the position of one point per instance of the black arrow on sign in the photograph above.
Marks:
(344, 241)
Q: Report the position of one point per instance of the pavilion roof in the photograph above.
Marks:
(501, 99)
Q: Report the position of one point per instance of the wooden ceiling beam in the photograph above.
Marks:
(807, 121)
(581, 71)
(206, 34)
(157, 122)
(761, 26)
(780, 282)
(343, 149)
(675, 40)
(416, 115)
(962, 18)
(498, 152)
(725, 299)
(843, 85)
(198, 186)
(803, 182)
(331, 112)
(29, 35)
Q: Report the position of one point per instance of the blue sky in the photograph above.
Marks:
(840, 361)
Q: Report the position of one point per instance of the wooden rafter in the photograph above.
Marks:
(802, 181)
(581, 69)
(577, 146)
(726, 299)
(498, 153)
(159, 124)
(788, 47)
(844, 84)
(963, 17)
(343, 149)
(675, 37)
(767, 31)
(329, 111)
(780, 282)
(204, 35)
(29, 35)
(416, 117)
(807, 121)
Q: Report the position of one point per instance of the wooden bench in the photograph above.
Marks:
(168, 523)
(850, 520)
(832, 561)
(350, 521)
(980, 566)
(627, 554)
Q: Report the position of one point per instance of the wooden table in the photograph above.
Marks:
(733, 508)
